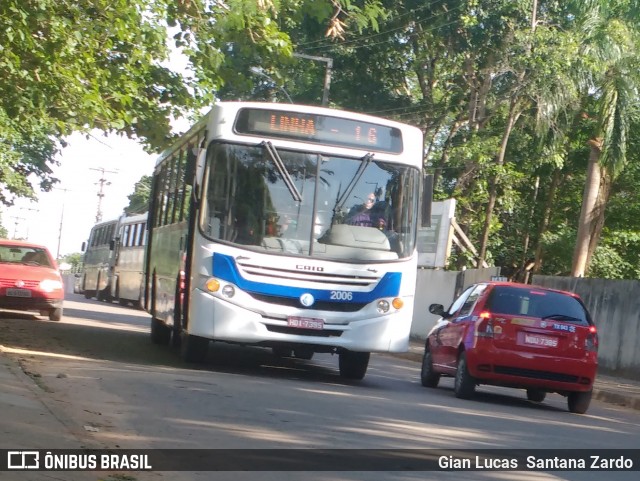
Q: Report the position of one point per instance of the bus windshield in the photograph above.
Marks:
(349, 208)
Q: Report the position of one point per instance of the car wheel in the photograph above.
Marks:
(353, 365)
(427, 376)
(160, 332)
(578, 402)
(536, 395)
(193, 348)
(55, 314)
(464, 384)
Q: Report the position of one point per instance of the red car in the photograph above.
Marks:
(29, 279)
(514, 335)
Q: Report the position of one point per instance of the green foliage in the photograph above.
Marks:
(75, 260)
(139, 200)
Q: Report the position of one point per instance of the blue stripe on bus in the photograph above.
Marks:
(224, 268)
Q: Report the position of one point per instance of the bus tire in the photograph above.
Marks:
(160, 332)
(193, 349)
(178, 321)
(353, 365)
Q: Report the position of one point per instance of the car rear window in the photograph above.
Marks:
(537, 303)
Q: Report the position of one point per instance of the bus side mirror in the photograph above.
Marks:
(427, 199)
(112, 244)
(84, 246)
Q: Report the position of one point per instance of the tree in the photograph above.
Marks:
(139, 199)
(75, 66)
(611, 43)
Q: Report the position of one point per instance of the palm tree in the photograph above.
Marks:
(611, 80)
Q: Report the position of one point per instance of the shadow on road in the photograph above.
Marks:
(96, 330)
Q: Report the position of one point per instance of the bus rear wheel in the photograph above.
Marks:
(353, 365)
(160, 332)
(193, 348)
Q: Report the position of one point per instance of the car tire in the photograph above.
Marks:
(427, 376)
(536, 395)
(160, 332)
(464, 384)
(578, 402)
(353, 365)
(55, 314)
(193, 349)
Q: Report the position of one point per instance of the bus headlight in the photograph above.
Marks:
(212, 285)
(383, 306)
(228, 291)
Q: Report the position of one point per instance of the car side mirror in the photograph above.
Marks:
(437, 309)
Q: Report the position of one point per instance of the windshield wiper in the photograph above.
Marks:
(563, 317)
(366, 161)
(284, 173)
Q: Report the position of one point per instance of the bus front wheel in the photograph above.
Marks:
(193, 348)
(353, 365)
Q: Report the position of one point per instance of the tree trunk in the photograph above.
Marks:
(599, 214)
(546, 218)
(586, 219)
(514, 114)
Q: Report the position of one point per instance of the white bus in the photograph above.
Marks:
(257, 233)
(114, 260)
(126, 281)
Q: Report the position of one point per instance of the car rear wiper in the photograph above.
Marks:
(563, 317)
(284, 173)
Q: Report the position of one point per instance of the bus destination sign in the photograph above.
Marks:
(319, 129)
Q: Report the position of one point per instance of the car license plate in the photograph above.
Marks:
(305, 322)
(18, 292)
(537, 340)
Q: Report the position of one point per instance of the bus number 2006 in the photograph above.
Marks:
(341, 295)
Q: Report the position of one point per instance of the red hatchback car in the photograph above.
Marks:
(29, 279)
(514, 335)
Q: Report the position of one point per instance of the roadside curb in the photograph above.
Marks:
(610, 390)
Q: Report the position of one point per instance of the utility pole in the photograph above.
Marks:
(102, 182)
(16, 220)
(327, 73)
(64, 191)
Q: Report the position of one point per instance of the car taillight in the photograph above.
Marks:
(484, 327)
(591, 342)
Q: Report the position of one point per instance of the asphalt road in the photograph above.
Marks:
(118, 390)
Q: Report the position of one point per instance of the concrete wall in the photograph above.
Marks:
(615, 308)
(441, 287)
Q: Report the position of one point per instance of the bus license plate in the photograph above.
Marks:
(18, 292)
(305, 322)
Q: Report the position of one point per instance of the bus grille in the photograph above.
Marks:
(322, 279)
(318, 305)
(303, 332)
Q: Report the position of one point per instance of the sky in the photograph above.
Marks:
(61, 219)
